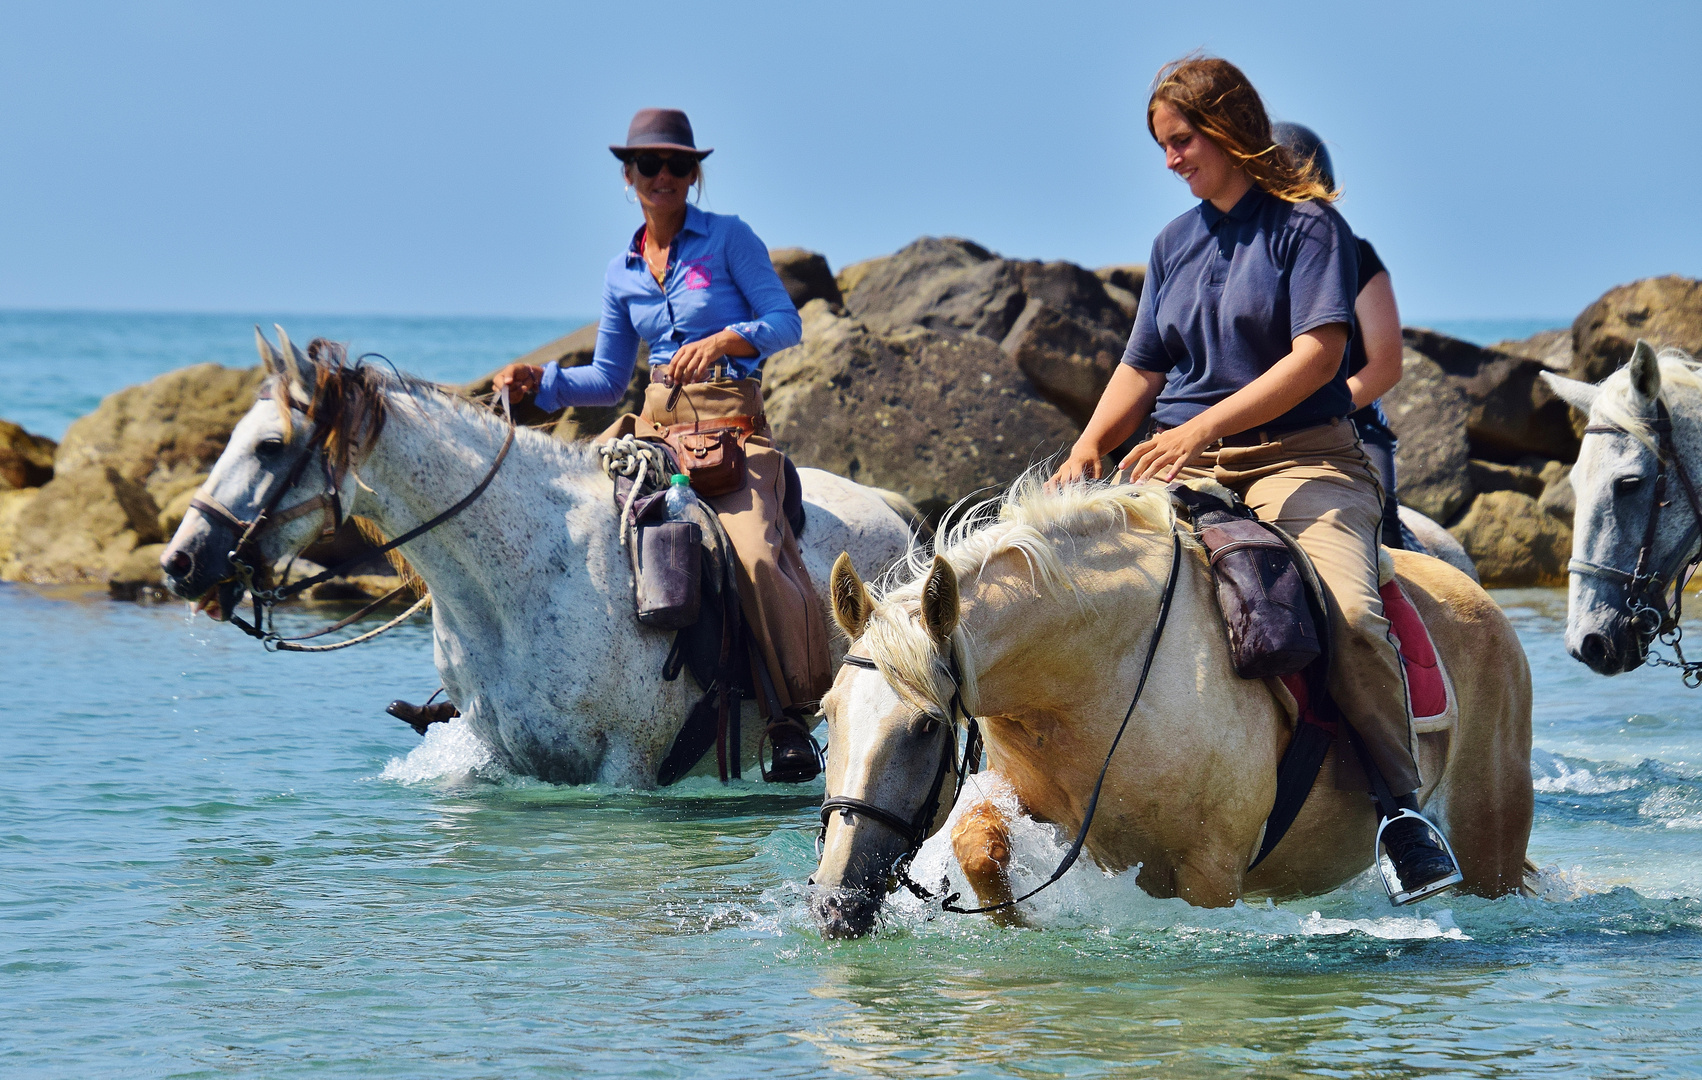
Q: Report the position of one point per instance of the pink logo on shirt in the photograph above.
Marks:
(697, 274)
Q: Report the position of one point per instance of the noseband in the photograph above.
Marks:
(1653, 616)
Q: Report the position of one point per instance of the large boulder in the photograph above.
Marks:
(1064, 326)
(1123, 283)
(26, 460)
(1427, 412)
(81, 527)
(1661, 310)
(1513, 541)
(806, 276)
(1550, 348)
(1511, 412)
(932, 415)
(168, 428)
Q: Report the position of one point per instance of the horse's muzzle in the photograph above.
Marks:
(845, 913)
(1612, 651)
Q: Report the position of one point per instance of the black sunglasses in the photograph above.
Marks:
(649, 165)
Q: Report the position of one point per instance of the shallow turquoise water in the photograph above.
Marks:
(215, 861)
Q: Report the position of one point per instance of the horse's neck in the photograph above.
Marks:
(432, 452)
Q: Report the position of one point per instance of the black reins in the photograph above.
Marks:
(1653, 615)
(244, 558)
(914, 831)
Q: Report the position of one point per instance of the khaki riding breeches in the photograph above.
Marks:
(776, 595)
(1318, 486)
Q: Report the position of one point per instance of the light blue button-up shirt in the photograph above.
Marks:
(719, 278)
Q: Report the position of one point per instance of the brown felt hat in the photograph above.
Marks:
(659, 129)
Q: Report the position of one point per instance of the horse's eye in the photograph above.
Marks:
(269, 448)
(1627, 485)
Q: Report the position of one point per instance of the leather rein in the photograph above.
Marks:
(914, 831)
(1653, 615)
(244, 557)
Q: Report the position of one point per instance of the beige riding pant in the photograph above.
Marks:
(776, 595)
(1319, 487)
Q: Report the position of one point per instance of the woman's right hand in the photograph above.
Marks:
(1082, 464)
(521, 380)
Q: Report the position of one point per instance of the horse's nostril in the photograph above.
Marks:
(1594, 649)
(177, 563)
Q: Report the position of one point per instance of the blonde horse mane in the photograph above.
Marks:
(1679, 370)
(1042, 525)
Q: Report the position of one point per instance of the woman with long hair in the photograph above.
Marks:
(1238, 355)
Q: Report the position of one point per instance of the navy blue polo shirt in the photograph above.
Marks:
(1226, 294)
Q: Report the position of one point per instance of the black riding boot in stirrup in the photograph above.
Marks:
(1422, 862)
(420, 717)
(797, 758)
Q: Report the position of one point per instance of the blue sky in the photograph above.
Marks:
(426, 158)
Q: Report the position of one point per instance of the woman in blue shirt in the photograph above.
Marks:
(1238, 355)
(699, 289)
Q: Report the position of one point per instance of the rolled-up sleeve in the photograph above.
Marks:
(774, 323)
(604, 380)
(1146, 349)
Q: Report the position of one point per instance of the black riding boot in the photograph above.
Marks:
(1421, 862)
(796, 758)
(420, 717)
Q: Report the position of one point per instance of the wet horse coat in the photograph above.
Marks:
(533, 629)
(1049, 611)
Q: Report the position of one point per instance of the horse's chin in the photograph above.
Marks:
(219, 602)
(845, 913)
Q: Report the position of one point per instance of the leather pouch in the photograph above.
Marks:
(1271, 632)
(667, 573)
(713, 458)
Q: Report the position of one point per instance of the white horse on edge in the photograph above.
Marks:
(1621, 567)
(532, 596)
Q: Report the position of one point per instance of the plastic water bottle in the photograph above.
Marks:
(680, 498)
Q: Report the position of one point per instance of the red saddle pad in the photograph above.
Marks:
(1418, 654)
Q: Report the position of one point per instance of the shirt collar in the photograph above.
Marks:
(696, 222)
(1243, 209)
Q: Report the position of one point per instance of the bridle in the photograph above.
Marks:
(1653, 615)
(914, 831)
(247, 567)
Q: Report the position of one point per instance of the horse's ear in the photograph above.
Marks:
(851, 604)
(1579, 395)
(270, 358)
(1645, 373)
(940, 601)
(296, 366)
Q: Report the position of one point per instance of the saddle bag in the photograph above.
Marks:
(667, 571)
(1259, 589)
(713, 458)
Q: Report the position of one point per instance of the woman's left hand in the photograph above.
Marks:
(1166, 453)
(693, 360)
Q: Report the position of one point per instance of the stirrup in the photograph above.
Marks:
(769, 775)
(1392, 885)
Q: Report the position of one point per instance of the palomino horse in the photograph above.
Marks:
(1041, 621)
(532, 593)
(1637, 526)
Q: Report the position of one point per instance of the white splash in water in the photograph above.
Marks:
(1557, 777)
(1088, 896)
(1676, 809)
(449, 752)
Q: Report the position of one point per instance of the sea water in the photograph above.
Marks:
(218, 861)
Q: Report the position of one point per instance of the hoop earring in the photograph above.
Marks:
(630, 197)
